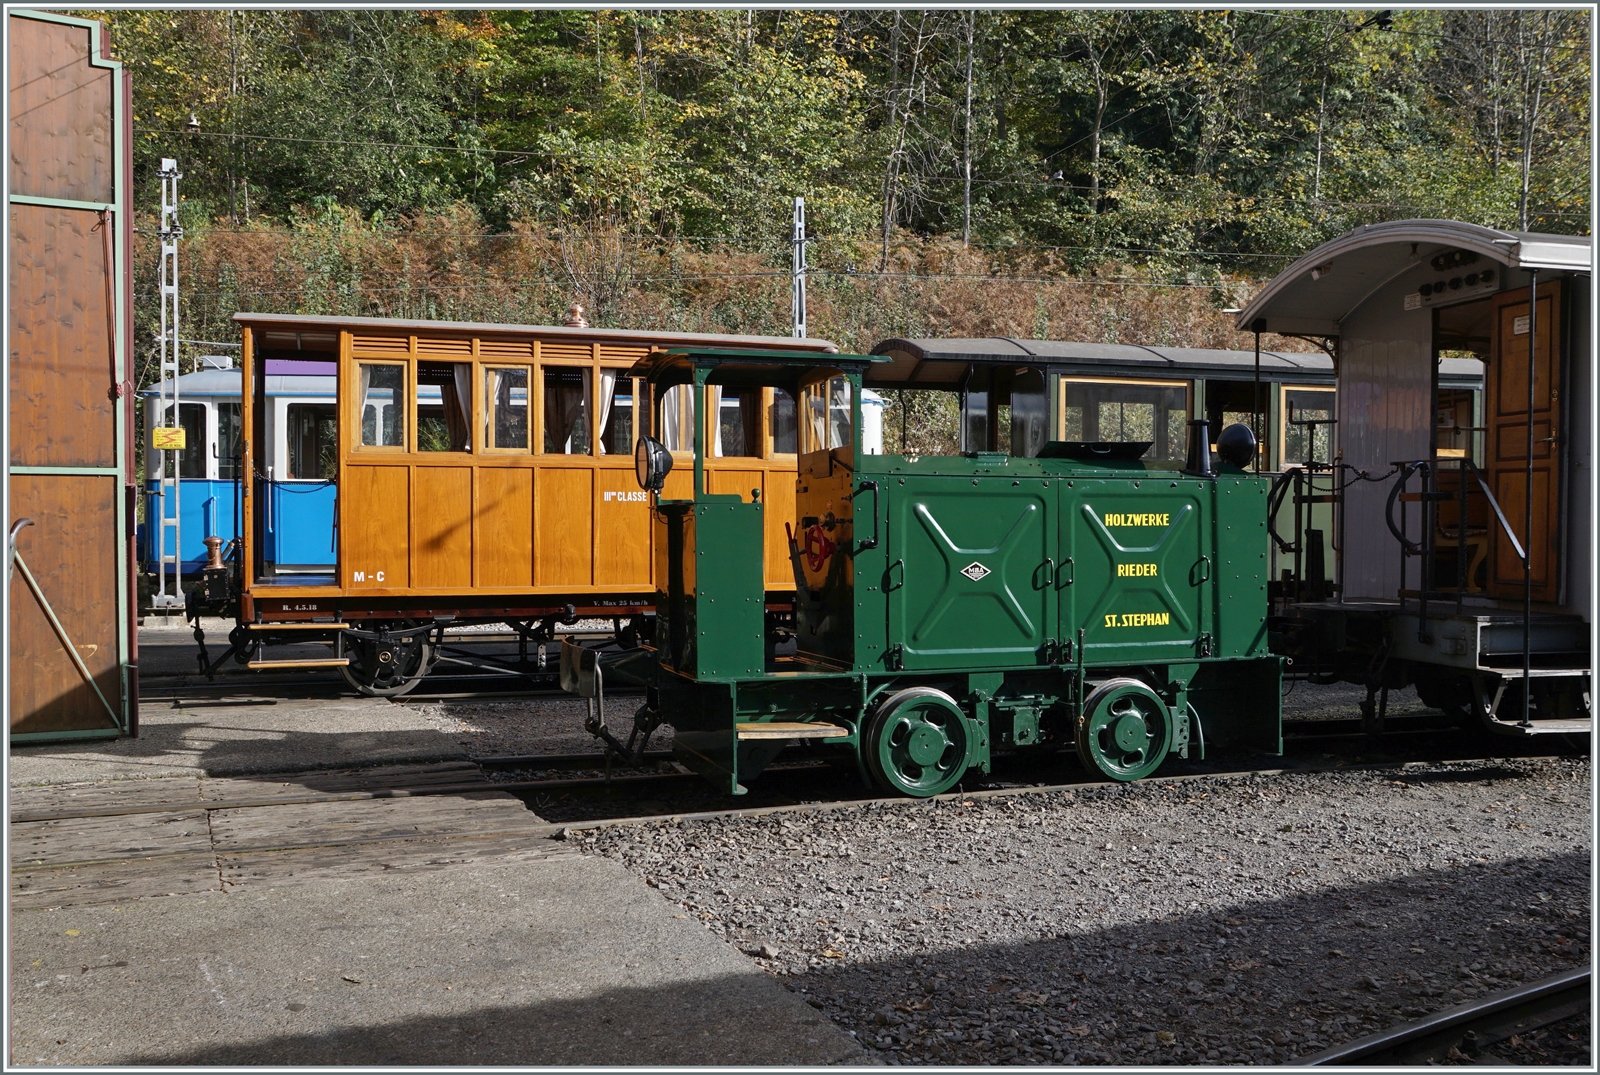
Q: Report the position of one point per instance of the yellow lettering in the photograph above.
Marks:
(1125, 571)
(1117, 518)
(1139, 619)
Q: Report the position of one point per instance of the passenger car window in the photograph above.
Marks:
(566, 410)
(785, 433)
(1127, 411)
(738, 421)
(444, 407)
(313, 436)
(382, 395)
(616, 415)
(505, 405)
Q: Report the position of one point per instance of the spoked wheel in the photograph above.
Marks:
(390, 665)
(1125, 730)
(917, 743)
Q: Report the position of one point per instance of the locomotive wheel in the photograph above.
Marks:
(1124, 731)
(387, 670)
(917, 743)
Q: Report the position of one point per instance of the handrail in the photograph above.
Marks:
(1495, 504)
(1280, 486)
(1406, 543)
(1423, 465)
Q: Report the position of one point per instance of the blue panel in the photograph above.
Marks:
(205, 508)
(299, 530)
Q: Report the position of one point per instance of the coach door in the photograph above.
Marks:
(1506, 455)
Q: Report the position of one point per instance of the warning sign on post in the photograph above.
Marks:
(168, 439)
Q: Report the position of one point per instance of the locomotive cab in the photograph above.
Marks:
(951, 606)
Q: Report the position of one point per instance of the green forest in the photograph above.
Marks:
(1104, 175)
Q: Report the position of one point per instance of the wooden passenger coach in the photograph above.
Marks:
(507, 488)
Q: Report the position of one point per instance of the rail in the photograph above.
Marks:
(1491, 1019)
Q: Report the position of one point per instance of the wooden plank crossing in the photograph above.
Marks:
(69, 860)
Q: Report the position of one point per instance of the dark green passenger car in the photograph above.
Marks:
(949, 607)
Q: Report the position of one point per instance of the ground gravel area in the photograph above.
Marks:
(1245, 920)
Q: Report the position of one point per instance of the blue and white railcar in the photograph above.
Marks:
(301, 467)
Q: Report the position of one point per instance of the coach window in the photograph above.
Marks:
(382, 397)
(313, 436)
(737, 420)
(825, 406)
(676, 418)
(1305, 430)
(1029, 413)
(192, 460)
(1127, 411)
(505, 408)
(617, 394)
(781, 420)
(566, 410)
(229, 449)
(444, 407)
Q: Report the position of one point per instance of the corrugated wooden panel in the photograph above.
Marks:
(505, 526)
(725, 479)
(564, 519)
(561, 349)
(506, 349)
(374, 543)
(71, 549)
(441, 520)
(381, 345)
(444, 346)
(622, 531)
(61, 114)
(610, 352)
(1385, 411)
(61, 341)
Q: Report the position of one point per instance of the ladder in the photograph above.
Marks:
(168, 497)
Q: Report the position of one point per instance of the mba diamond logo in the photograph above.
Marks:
(975, 571)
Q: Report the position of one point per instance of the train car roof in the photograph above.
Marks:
(668, 339)
(224, 384)
(942, 363)
(1319, 290)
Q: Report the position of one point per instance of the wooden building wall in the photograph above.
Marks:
(69, 405)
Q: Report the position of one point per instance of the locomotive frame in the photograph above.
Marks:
(1090, 612)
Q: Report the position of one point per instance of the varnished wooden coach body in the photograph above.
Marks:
(512, 522)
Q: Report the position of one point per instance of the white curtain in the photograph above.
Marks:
(608, 384)
(366, 385)
(672, 424)
(463, 376)
(714, 408)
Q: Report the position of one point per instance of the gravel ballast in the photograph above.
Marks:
(1222, 920)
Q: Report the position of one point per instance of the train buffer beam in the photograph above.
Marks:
(790, 729)
(325, 662)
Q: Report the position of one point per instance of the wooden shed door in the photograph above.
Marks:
(1506, 448)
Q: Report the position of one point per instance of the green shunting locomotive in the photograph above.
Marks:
(951, 607)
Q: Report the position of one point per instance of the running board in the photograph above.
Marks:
(787, 729)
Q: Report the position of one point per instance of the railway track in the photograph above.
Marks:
(1467, 1029)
